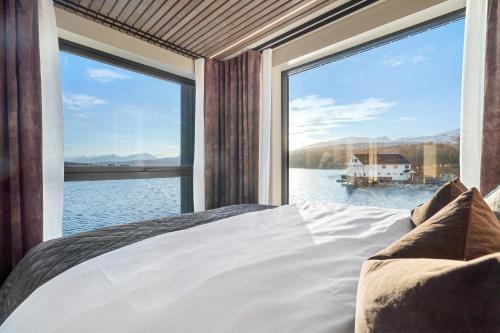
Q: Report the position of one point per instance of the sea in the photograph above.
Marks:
(93, 204)
(322, 186)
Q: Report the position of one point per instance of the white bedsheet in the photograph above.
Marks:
(289, 269)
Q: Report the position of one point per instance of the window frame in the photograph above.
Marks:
(187, 102)
(401, 34)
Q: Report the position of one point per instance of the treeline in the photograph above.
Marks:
(442, 156)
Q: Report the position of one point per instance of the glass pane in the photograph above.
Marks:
(117, 117)
(380, 127)
(93, 204)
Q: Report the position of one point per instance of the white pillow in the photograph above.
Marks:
(493, 200)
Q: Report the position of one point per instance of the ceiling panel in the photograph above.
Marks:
(139, 19)
(224, 13)
(240, 21)
(118, 8)
(200, 21)
(241, 27)
(197, 28)
(106, 7)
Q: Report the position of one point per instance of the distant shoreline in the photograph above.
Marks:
(318, 168)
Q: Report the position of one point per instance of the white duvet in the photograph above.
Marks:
(289, 269)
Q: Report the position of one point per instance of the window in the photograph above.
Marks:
(391, 102)
(128, 140)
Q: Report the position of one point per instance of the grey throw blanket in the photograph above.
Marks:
(53, 257)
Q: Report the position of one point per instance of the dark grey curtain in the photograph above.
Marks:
(20, 133)
(232, 107)
(490, 164)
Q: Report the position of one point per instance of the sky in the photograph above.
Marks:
(409, 87)
(110, 110)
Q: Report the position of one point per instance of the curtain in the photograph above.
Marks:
(265, 129)
(490, 156)
(199, 138)
(232, 107)
(21, 212)
(471, 127)
(52, 122)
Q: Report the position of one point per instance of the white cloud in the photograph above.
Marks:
(312, 118)
(399, 60)
(418, 59)
(81, 101)
(393, 61)
(103, 75)
(84, 115)
(401, 119)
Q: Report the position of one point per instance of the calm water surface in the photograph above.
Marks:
(93, 204)
(90, 205)
(322, 185)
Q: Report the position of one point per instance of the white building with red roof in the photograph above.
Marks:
(384, 167)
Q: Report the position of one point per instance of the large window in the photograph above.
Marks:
(128, 140)
(376, 125)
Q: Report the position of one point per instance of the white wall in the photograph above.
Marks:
(375, 21)
(358, 169)
(89, 33)
(397, 173)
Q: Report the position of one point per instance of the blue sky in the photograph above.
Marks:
(109, 110)
(410, 87)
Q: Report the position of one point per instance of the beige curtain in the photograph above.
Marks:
(232, 107)
(490, 156)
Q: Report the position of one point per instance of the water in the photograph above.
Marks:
(93, 204)
(321, 185)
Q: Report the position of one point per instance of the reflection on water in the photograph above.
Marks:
(322, 185)
(93, 204)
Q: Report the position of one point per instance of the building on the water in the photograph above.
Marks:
(368, 169)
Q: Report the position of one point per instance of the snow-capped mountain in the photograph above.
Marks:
(111, 158)
(451, 137)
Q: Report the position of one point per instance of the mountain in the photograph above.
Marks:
(110, 158)
(165, 161)
(142, 159)
(450, 137)
(335, 154)
(350, 140)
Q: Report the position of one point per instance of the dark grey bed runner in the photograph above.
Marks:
(53, 257)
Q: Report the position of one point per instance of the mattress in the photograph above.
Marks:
(51, 258)
(288, 269)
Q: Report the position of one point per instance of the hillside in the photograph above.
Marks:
(450, 137)
(335, 154)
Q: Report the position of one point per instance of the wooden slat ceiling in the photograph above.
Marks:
(197, 28)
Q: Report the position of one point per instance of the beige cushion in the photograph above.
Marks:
(463, 230)
(443, 196)
(429, 295)
(443, 276)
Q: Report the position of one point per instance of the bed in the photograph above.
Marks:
(246, 268)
